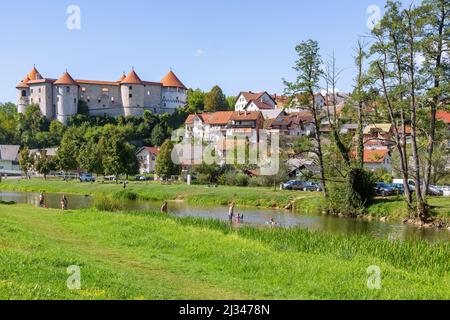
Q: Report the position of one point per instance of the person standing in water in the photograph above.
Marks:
(231, 212)
(42, 200)
(164, 208)
(64, 203)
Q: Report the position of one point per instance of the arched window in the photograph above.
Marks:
(24, 93)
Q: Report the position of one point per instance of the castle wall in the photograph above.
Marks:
(41, 94)
(102, 99)
(152, 100)
(172, 98)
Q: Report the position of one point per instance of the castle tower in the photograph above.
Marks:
(66, 95)
(133, 95)
(174, 93)
(24, 90)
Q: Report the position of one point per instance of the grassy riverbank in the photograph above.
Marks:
(305, 202)
(150, 256)
(222, 195)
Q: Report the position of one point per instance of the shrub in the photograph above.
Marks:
(104, 203)
(242, 180)
(125, 195)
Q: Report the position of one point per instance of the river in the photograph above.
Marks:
(255, 217)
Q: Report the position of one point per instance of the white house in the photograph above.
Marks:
(147, 159)
(376, 159)
(9, 159)
(250, 101)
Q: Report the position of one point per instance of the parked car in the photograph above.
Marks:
(399, 188)
(384, 190)
(87, 177)
(142, 178)
(311, 186)
(293, 185)
(435, 191)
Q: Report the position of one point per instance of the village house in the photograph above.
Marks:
(208, 127)
(378, 159)
(9, 160)
(250, 101)
(297, 124)
(379, 134)
(147, 159)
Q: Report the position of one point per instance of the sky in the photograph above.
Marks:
(240, 45)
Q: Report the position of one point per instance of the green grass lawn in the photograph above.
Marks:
(151, 256)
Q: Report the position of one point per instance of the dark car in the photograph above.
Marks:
(384, 190)
(399, 188)
(293, 185)
(311, 186)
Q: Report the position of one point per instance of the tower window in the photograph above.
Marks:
(130, 95)
(40, 90)
(131, 88)
(68, 89)
(75, 100)
(112, 100)
(24, 93)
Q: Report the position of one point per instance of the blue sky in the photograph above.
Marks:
(237, 44)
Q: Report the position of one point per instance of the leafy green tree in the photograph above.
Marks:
(8, 123)
(26, 161)
(158, 135)
(231, 101)
(90, 157)
(83, 108)
(164, 164)
(215, 100)
(69, 150)
(44, 164)
(196, 101)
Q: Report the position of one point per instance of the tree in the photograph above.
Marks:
(195, 100)
(308, 68)
(26, 162)
(8, 123)
(90, 157)
(434, 47)
(69, 150)
(44, 164)
(158, 135)
(231, 101)
(215, 100)
(164, 164)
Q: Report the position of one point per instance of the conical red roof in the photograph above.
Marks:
(171, 80)
(66, 80)
(122, 77)
(34, 74)
(132, 78)
(24, 83)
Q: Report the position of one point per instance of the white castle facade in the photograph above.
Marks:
(58, 98)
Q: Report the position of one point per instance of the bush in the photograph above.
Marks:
(242, 180)
(125, 195)
(353, 196)
(104, 203)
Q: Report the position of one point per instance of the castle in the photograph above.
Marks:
(58, 98)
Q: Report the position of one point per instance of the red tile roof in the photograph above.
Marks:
(249, 115)
(375, 156)
(132, 78)
(261, 105)
(66, 79)
(34, 74)
(171, 80)
(443, 116)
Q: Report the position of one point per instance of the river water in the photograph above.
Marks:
(254, 216)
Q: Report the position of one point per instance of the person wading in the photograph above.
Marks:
(231, 212)
(164, 208)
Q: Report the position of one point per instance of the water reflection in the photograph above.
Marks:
(255, 216)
